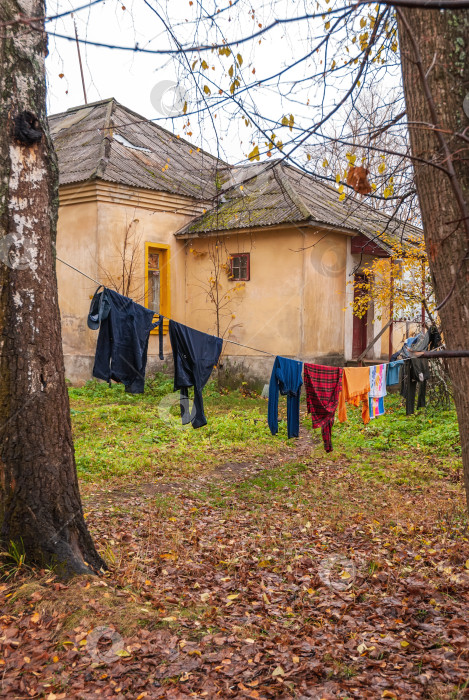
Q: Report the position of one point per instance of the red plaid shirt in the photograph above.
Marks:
(323, 385)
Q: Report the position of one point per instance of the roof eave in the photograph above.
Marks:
(308, 224)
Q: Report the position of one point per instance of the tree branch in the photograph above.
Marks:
(424, 4)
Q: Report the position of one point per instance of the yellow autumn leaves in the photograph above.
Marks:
(405, 280)
(232, 71)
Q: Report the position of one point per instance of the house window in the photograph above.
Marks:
(240, 267)
(154, 281)
(157, 289)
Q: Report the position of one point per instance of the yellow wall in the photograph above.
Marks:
(324, 294)
(93, 219)
(76, 244)
(293, 303)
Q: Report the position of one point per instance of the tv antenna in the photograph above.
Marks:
(79, 60)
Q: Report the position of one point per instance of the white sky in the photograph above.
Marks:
(131, 77)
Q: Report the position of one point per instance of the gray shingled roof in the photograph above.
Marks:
(107, 141)
(269, 194)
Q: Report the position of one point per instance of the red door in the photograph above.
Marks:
(359, 325)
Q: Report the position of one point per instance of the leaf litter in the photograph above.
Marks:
(285, 576)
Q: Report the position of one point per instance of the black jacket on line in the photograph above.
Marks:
(124, 330)
(195, 355)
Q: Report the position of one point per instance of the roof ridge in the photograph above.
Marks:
(168, 133)
(267, 166)
(295, 198)
(105, 147)
(90, 104)
(78, 107)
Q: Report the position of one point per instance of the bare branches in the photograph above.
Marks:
(337, 52)
(424, 4)
(32, 21)
(203, 47)
(128, 257)
(355, 83)
(385, 127)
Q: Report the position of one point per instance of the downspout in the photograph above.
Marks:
(302, 299)
(391, 308)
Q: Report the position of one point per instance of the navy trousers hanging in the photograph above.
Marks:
(195, 355)
(286, 378)
(415, 372)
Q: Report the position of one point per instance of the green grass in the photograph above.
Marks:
(426, 429)
(398, 448)
(121, 435)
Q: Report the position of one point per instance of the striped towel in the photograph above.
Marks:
(377, 390)
(376, 407)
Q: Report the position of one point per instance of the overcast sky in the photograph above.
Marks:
(152, 85)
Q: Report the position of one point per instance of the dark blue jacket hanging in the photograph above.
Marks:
(195, 355)
(124, 330)
(286, 378)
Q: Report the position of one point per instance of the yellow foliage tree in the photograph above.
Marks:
(401, 283)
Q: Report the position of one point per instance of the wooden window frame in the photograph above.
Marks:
(163, 251)
(248, 267)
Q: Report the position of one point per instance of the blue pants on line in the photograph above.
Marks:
(287, 378)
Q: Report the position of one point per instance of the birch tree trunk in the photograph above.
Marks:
(434, 49)
(40, 506)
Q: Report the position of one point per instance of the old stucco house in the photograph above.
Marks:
(272, 249)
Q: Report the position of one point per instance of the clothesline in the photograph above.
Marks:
(195, 354)
(100, 284)
(249, 347)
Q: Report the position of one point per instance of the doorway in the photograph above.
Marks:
(360, 325)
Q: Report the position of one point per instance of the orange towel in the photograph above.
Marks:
(355, 389)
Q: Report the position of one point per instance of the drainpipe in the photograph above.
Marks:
(391, 309)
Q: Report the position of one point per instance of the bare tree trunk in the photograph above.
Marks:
(40, 506)
(434, 50)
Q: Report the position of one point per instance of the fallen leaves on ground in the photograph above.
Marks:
(324, 588)
(252, 568)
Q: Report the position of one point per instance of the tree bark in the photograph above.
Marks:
(40, 506)
(434, 49)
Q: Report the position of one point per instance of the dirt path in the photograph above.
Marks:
(226, 472)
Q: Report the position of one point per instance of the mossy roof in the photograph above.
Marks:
(273, 194)
(107, 141)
